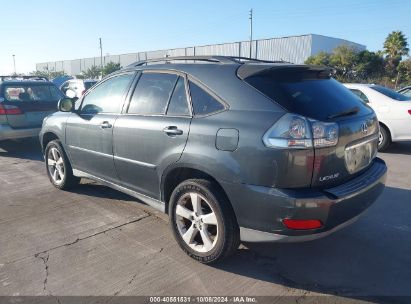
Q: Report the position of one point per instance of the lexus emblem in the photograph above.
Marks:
(364, 128)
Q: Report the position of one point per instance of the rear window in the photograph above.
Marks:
(29, 92)
(89, 84)
(307, 93)
(391, 93)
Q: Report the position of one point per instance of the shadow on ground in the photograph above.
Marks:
(399, 148)
(371, 258)
(24, 149)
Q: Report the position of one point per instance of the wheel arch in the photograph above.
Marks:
(177, 174)
(384, 125)
(48, 137)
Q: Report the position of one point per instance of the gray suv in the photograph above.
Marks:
(233, 149)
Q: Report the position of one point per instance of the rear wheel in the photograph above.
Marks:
(58, 166)
(384, 139)
(203, 222)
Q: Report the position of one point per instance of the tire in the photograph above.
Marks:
(384, 140)
(58, 166)
(207, 234)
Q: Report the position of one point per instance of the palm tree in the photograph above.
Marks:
(395, 46)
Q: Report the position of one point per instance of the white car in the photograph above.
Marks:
(393, 111)
(76, 87)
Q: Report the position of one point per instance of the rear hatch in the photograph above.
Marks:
(26, 104)
(310, 92)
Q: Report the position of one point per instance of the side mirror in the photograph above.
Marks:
(65, 105)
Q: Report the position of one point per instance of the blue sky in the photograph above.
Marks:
(48, 30)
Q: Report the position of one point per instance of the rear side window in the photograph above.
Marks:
(35, 92)
(178, 105)
(152, 93)
(307, 93)
(360, 94)
(203, 102)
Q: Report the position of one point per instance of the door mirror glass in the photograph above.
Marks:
(65, 105)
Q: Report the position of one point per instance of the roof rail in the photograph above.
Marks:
(212, 59)
(17, 77)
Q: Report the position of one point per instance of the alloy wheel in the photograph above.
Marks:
(380, 139)
(55, 165)
(197, 222)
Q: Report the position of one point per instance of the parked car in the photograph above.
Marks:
(393, 110)
(232, 149)
(75, 88)
(24, 102)
(405, 91)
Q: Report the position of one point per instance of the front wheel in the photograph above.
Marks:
(203, 222)
(58, 166)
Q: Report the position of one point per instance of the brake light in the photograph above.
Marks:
(409, 112)
(9, 110)
(302, 224)
(295, 131)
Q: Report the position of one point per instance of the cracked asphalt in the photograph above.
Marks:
(97, 241)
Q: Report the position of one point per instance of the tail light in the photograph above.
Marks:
(302, 224)
(9, 110)
(295, 131)
(409, 112)
(83, 92)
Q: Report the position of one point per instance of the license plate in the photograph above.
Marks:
(360, 155)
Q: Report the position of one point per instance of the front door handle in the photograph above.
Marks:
(172, 131)
(105, 125)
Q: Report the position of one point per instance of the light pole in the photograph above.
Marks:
(251, 31)
(101, 58)
(14, 63)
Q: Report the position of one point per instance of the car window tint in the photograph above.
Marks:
(178, 103)
(360, 94)
(203, 102)
(32, 92)
(407, 93)
(152, 93)
(108, 96)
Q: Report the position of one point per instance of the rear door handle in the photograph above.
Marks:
(105, 125)
(172, 131)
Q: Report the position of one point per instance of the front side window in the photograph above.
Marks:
(108, 97)
(203, 102)
(406, 92)
(152, 93)
(360, 94)
(32, 92)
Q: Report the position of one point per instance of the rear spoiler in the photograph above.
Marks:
(248, 70)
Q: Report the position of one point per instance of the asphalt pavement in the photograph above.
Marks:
(96, 241)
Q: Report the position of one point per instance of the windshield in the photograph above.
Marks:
(305, 94)
(32, 92)
(390, 93)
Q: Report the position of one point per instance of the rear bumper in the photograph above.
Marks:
(260, 210)
(6, 132)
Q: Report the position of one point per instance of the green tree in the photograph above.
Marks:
(48, 74)
(322, 58)
(395, 47)
(111, 67)
(343, 59)
(92, 72)
(404, 72)
(369, 66)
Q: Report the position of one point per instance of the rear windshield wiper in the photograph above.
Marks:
(349, 112)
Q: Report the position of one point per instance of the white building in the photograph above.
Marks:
(295, 49)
